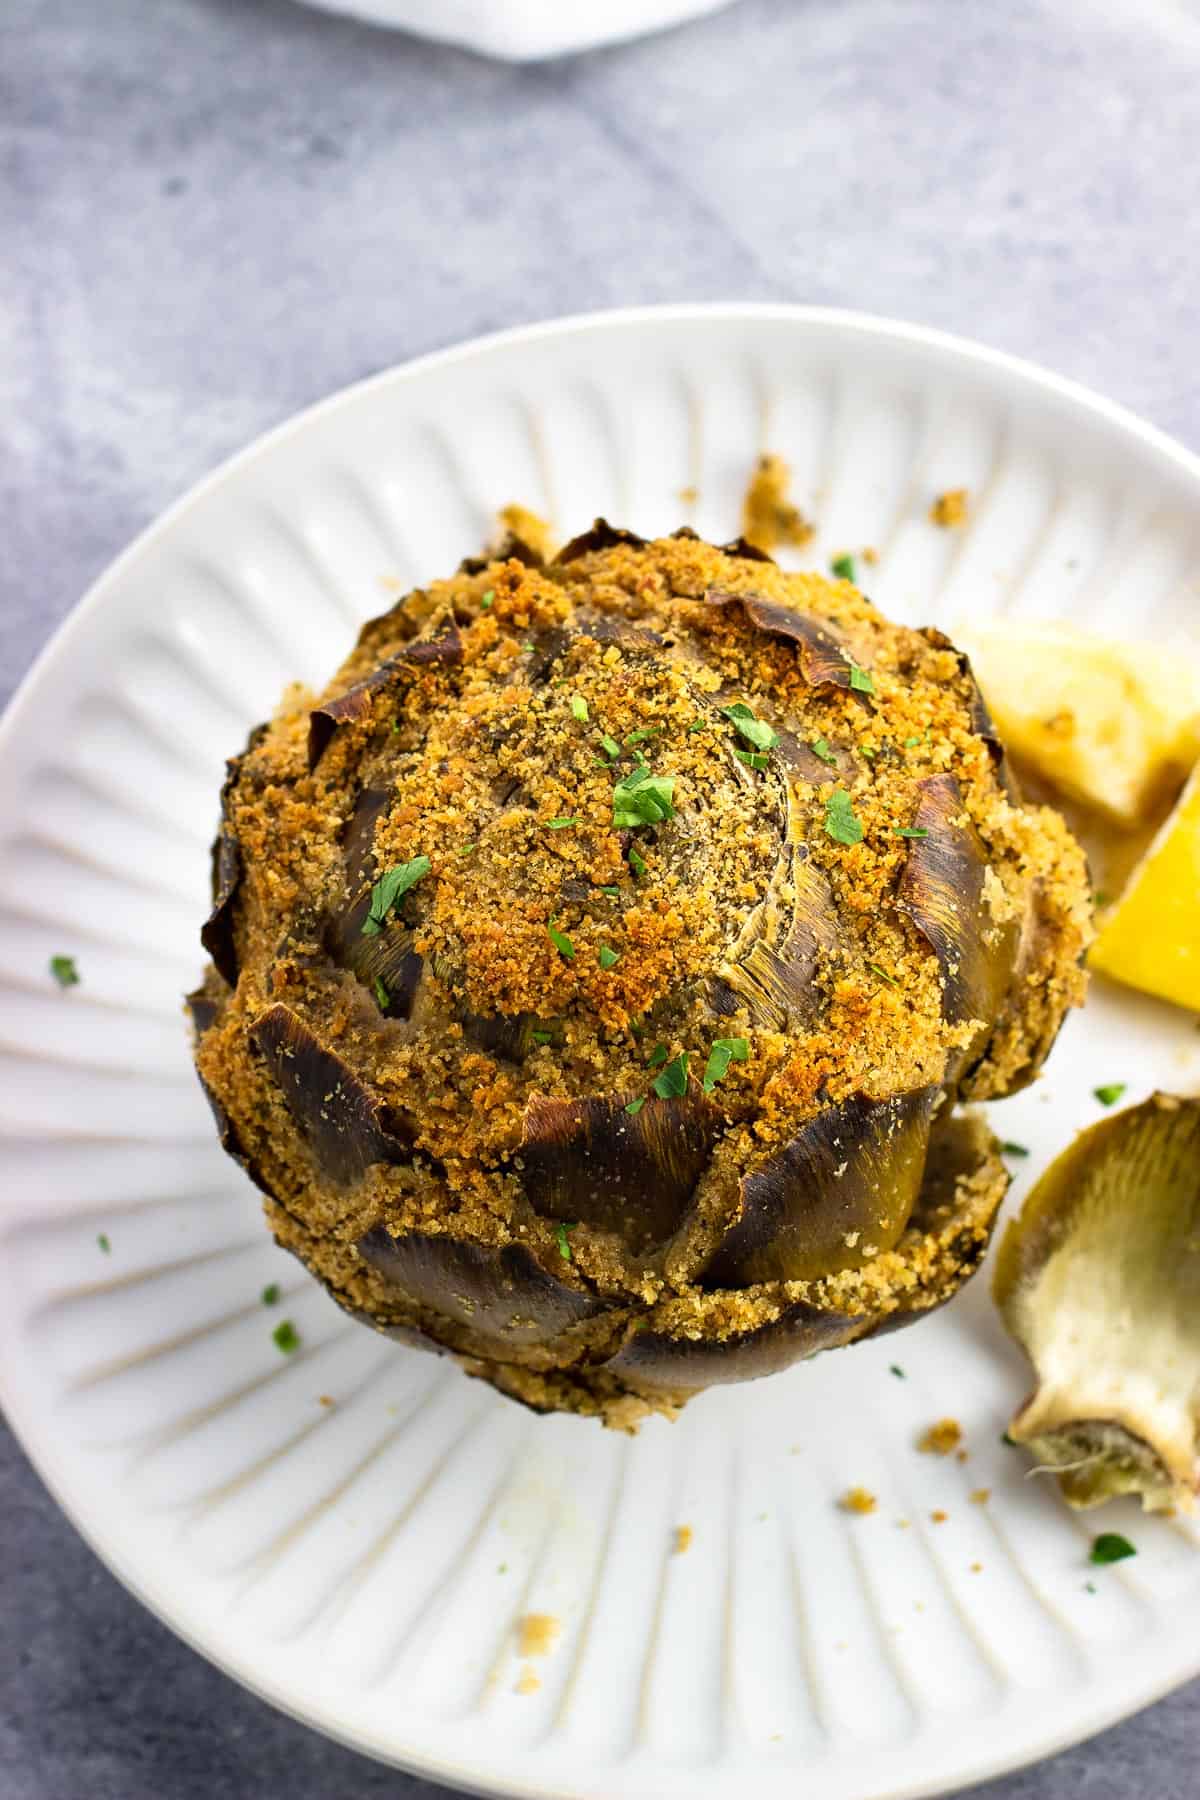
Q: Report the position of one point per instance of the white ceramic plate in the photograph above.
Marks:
(363, 1564)
(524, 30)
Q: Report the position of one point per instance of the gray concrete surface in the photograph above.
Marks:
(215, 211)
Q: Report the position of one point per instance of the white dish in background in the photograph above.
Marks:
(524, 30)
(364, 1565)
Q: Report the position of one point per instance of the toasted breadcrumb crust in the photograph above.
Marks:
(477, 757)
(769, 517)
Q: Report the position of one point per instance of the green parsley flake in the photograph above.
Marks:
(614, 893)
(911, 831)
(755, 731)
(391, 888)
(561, 824)
(610, 746)
(635, 1106)
(860, 679)
(270, 1294)
(579, 708)
(379, 989)
(883, 975)
(753, 759)
(64, 971)
(843, 568)
(286, 1337)
(673, 1080)
(911, 743)
(697, 725)
(821, 748)
(659, 1054)
(1101, 898)
(609, 958)
(841, 822)
(542, 1037)
(723, 1052)
(488, 598)
(1110, 1093)
(1010, 1149)
(561, 942)
(898, 1372)
(637, 863)
(646, 731)
(1110, 1547)
(643, 799)
(467, 849)
(564, 1248)
(102, 1240)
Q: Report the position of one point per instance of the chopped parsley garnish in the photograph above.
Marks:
(643, 799)
(1008, 1439)
(561, 941)
(64, 971)
(579, 708)
(467, 849)
(564, 1247)
(697, 725)
(636, 862)
(1110, 1547)
(883, 975)
(286, 1337)
(635, 1106)
(639, 736)
(753, 759)
(379, 989)
(898, 1372)
(723, 1052)
(614, 893)
(843, 567)
(1010, 1149)
(1089, 1587)
(270, 1294)
(1110, 1093)
(102, 1240)
(821, 748)
(868, 752)
(841, 822)
(391, 888)
(911, 743)
(673, 1080)
(542, 1037)
(610, 746)
(861, 680)
(487, 599)
(560, 824)
(911, 831)
(609, 958)
(659, 1054)
(755, 731)
(1100, 897)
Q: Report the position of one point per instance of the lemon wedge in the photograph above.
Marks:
(1151, 938)
(1114, 726)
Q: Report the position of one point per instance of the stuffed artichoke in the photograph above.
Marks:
(598, 961)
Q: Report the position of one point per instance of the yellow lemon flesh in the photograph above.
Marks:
(1114, 726)
(1152, 937)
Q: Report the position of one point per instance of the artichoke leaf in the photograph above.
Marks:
(440, 644)
(1099, 1282)
(346, 1126)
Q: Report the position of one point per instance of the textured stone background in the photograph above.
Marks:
(215, 211)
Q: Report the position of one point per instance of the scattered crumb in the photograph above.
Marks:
(950, 508)
(529, 526)
(776, 1737)
(761, 1517)
(980, 1496)
(683, 1539)
(768, 516)
(392, 584)
(795, 1449)
(918, 1606)
(960, 1456)
(858, 1500)
(536, 1633)
(530, 1681)
(939, 1517)
(870, 555)
(503, 1569)
(903, 1524)
(689, 495)
(941, 1438)
(843, 1645)
(326, 1400)
(977, 1568)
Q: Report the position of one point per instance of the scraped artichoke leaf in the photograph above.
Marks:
(500, 1293)
(771, 969)
(835, 1196)
(825, 661)
(942, 891)
(600, 536)
(631, 1173)
(1099, 1282)
(441, 644)
(347, 1128)
(216, 933)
